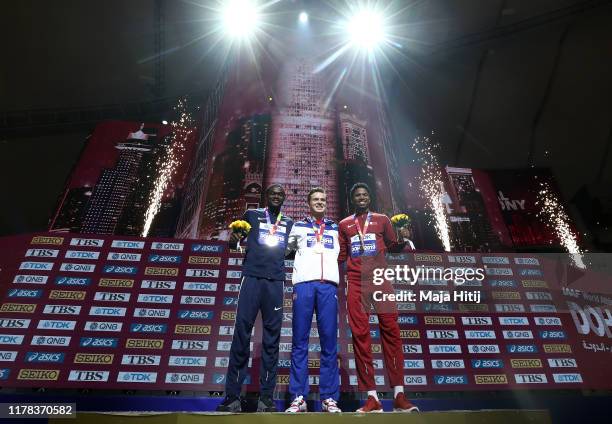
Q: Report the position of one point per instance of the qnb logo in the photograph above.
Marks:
(178, 378)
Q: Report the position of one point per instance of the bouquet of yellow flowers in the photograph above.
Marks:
(241, 227)
(400, 220)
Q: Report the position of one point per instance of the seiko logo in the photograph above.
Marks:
(30, 279)
(37, 374)
(179, 377)
(56, 325)
(491, 379)
(153, 270)
(167, 246)
(144, 343)
(158, 284)
(82, 254)
(67, 294)
(24, 308)
(38, 340)
(136, 377)
(42, 253)
(190, 345)
(129, 257)
(103, 326)
(204, 260)
(62, 309)
(151, 313)
(77, 375)
(115, 282)
(140, 360)
(155, 298)
(191, 329)
(87, 242)
(57, 241)
(93, 358)
(38, 266)
(557, 348)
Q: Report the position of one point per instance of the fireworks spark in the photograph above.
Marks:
(182, 128)
(554, 216)
(432, 187)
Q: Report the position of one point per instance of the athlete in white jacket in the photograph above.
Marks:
(315, 284)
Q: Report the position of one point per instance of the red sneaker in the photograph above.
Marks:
(402, 404)
(371, 405)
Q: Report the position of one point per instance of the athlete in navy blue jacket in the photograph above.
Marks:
(263, 277)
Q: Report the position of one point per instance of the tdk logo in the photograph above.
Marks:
(25, 293)
(208, 248)
(165, 259)
(98, 342)
(193, 314)
(128, 244)
(56, 325)
(55, 357)
(187, 361)
(107, 311)
(72, 281)
(11, 339)
(136, 377)
(148, 328)
(190, 345)
(82, 254)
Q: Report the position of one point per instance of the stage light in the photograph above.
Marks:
(366, 29)
(165, 122)
(240, 18)
(303, 17)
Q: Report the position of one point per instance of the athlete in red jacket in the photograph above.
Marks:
(364, 239)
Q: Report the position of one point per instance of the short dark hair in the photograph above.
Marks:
(271, 186)
(316, 190)
(359, 185)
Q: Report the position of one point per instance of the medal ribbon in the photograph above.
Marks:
(360, 231)
(275, 226)
(319, 231)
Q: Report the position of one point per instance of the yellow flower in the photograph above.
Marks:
(240, 226)
(400, 220)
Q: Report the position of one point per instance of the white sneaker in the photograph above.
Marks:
(298, 405)
(329, 405)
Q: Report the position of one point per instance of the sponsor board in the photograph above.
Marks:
(115, 282)
(155, 270)
(158, 284)
(49, 324)
(38, 340)
(88, 375)
(194, 314)
(490, 379)
(190, 345)
(101, 342)
(143, 360)
(93, 358)
(103, 326)
(30, 279)
(530, 378)
(73, 281)
(513, 321)
(506, 295)
(483, 348)
(144, 344)
(37, 266)
(523, 348)
(136, 377)
(410, 334)
(444, 349)
(56, 241)
(231, 316)
(126, 244)
(72, 267)
(112, 296)
(184, 378)
(151, 313)
(24, 308)
(548, 334)
(67, 294)
(202, 273)
(487, 363)
(42, 253)
(122, 256)
(423, 257)
(82, 254)
(86, 242)
(517, 334)
(562, 363)
(167, 246)
(107, 311)
(509, 307)
(38, 374)
(62, 309)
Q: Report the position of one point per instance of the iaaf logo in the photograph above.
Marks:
(98, 342)
(129, 257)
(25, 293)
(197, 300)
(38, 266)
(155, 298)
(72, 281)
(82, 375)
(30, 279)
(184, 378)
(196, 286)
(447, 363)
(42, 253)
(82, 254)
(167, 246)
(158, 284)
(114, 269)
(208, 248)
(167, 259)
(151, 313)
(148, 328)
(203, 273)
(125, 244)
(107, 311)
(70, 267)
(136, 377)
(103, 326)
(11, 339)
(190, 345)
(444, 349)
(56, 325)
(55, 357)
(112, 297)
(86, 242)
(187, 361)
(484, 348)
(50, 340)
(195, 314)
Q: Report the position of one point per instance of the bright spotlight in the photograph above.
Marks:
(303, 17)
(366, 29)
(240, 18)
